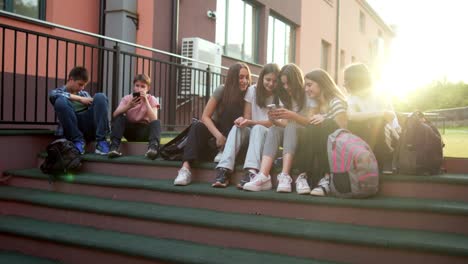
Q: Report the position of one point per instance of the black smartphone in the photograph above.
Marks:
(136, 94)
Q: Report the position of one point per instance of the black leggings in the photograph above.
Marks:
(311, 154)
(201, 144)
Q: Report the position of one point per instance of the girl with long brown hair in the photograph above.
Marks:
(223, 108)
(285, 118)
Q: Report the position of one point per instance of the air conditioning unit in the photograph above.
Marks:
(192, 79)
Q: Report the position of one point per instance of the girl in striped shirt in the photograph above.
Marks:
(313, 139)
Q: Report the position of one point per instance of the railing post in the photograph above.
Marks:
(115, 76)
(208, 84)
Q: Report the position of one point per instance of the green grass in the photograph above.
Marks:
(456, 142)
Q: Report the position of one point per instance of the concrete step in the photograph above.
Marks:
(412, 213)
(445, 186)
(357, 244)
(78, 244)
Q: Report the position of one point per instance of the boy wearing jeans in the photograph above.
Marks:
(81, 116)
(136, 118)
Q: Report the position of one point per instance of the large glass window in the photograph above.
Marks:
(280, 41)
(30, 8)
(236, 25)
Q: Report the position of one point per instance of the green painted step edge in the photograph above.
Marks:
(442, 243)
(11, 257)
(141, 160)
(197, 188)
(137, 245)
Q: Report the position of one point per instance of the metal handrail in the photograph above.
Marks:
(45, 23)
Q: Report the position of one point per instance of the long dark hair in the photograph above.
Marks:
(328, 88)
(232, 95)
(296, 86)
(260, 91)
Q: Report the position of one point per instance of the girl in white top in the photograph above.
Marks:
(285, 119)
(249, 129)
(371, 116)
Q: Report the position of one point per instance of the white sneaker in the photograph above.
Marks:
(323, 187)
(184, 177)
(259, 183)
(218, 157)
(302, 187)
(284, 183)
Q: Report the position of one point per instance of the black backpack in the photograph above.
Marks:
(174, 149)
(62, 157)
(420, 148)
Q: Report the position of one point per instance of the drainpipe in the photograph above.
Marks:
(102, 23)
(174, 43)
(337, 41)
(175, 26)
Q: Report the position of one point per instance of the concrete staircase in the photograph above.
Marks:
(126, 210)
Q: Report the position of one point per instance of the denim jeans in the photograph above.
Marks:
(121, 127)
(90, 124)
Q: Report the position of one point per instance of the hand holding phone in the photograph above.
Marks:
(271, 107)
(136, 94)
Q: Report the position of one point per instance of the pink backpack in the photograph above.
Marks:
(354, 169)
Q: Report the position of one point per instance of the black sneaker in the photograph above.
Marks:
(222, 178)
(248, 176)
(153, 151)
(114, 151)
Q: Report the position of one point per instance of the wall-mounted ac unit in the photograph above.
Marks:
(192, 80)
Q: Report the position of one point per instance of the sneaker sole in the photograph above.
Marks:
(113, 155)
(100, 152)
(181, 184)
(303, 191)
(220, 185)
(283, 190)
(261, 188)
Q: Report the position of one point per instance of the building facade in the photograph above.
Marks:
(326, 34)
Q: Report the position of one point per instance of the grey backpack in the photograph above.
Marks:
(354, 169)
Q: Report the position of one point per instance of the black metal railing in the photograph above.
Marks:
(33, 63)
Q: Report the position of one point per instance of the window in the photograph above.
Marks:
(362, 22)
(325, 56)
(30, 8)
(236, 26)
(280, 41)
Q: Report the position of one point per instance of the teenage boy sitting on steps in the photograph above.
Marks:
(136, 118)
(81, 116)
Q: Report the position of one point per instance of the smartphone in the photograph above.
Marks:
(271, 107)
(136, 94)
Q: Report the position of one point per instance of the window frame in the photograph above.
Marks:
(255, 30)
(325, 55)
(8, 7)
(292, 40)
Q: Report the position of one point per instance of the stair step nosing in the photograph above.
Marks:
(335, 232)
(386, 203)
